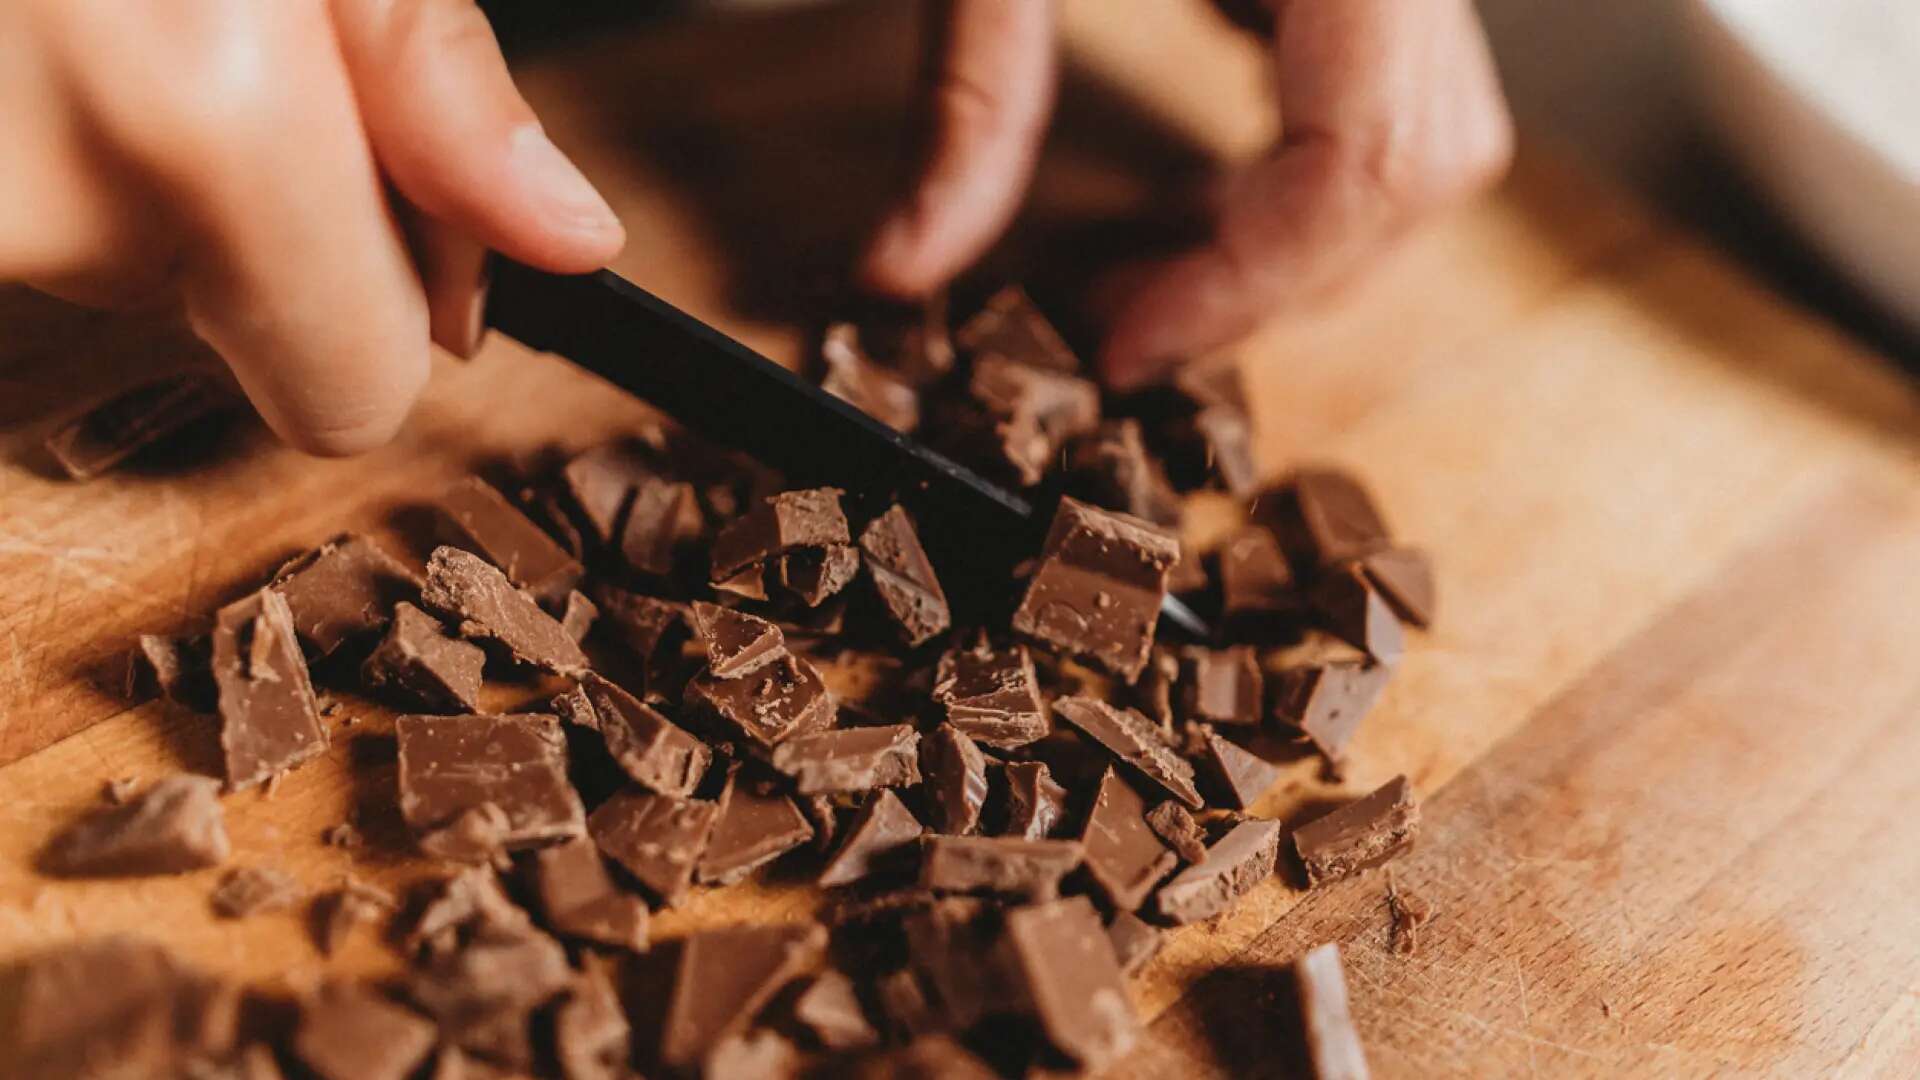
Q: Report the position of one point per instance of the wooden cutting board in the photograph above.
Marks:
(1667, 730)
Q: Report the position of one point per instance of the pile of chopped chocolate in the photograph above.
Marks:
(656, 670)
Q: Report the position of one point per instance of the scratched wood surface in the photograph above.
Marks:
(1666, 732)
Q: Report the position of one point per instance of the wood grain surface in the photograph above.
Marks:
(1666, 731)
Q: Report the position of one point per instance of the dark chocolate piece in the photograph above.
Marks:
(724, 977)
(1255, 577)
(830, 1011)
(812, 575)
(997, 864)
(1323, 517)
(581, 900)
(478, 519)
(1358, 615)
(341, 590)
(450, 766)
(419, 658)
(1097, 593)
(1135, 941)
(252, 890)
(347, 1033)
(1361, 835)
(1072, 981)
(1035, 804)
(486, 606)
(854, 378)
(108, 432)
(778, 524)
(851, 759)
(657, 838)
(653, 630)
(269, 719)
(751, 829)
(178, 669)
(1404, 578)
(1012, 328)
(1109, 467)
(656, 753)
(880, 837)
(354, 903)
(992, 695)
(903, 577)
(956, 783)
(738, 644)
(1234, 865)
(1125, 858)
(1333, 1043)
(783, 699)
(591, 1037)
(1239, 775)
(1221, 686)
(578, 617)
(1133, 739)
(663, 520)
(1178, 830)
(174, 826)
(1326, 702)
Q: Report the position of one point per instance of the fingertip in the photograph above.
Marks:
(895, 264)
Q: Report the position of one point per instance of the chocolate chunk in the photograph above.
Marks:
(823, 815)
(1133, 739)
(1178, 830)
(855, 379)
(1109, 467)
(1033, 412)
(1326, 702)
(1035, 804)
(251, 890)
(905, 1003)
(1072, 982)
(1097, 593)
(851, 759)
(997, 864)
(956, 775)
(1323, 517)
(751, 829)
(269, 720)
(724, 977)
(338, 911)
(1189, 575)
(451, 766)
(1238, 775)
(1358, 615)
(1404, 578)
(778, 524)
(1012, 328)
(1361, 835)
(880, 838)
(903, 577)
(464, 587)
(579, 615)
(928, 1057)
(347, 1033)
(1241, 860)
(783, 699)
(108, 432)
(653, 631)
(1214, 448)
(464, 907)
(591, 1037)
(1409, 913)
(341, 590)
(418, 658)
(1221, 686)
(1125, 858)
(812, 575)
(1333, 1043)
(656, 753)
(737, 643)
(547, 511)
(111, 1007)
(479, 519)
(581, 900)
(601, 482)
(174, 826)
(657, 838)
(484, 993)
(1255, 578)
(992, 695)
(750, 582)
(663, 520)
(1155, 689)
(910, 340)
(178, 669)
(760, 1054)
(1135, 942)
(829, 1010)
(950, 949)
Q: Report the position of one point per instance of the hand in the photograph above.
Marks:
(316, 182)
(1392, 111)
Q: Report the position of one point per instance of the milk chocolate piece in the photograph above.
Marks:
(1323, 517)
(1134, 740)
(418, 658)
(1178, 830)
(956, 773)
(737, 643)
(1109, 467)
(653, 630)
(1326, 702)
(466, 906)
(992, 695)
(1255, 578)
(950, 948)
(1241, 860)
(656, 838)
(581, 900)
(1035, 804)
(1238, 775)
(486, 606)
(933, 1056)
(997, 864)
(750, 582)
(1221, 686)
(784, 698)
(910, 339)
(759, 1054)
(251, 890)
(578, 615)
(1135, 942)
(341, 590)
(111, 1007)
(1189, 574)
(269, 720)
(1061, 405)
(174, 826)
(1072, 982)
(1155, 689)
(905, 1003)
(1125, 858)
(778, 524)
(1409, 913)
(478, 519)
(751, 829)
(347, 1033)
(1404, 578)
(601, 482)
(724, 977)
(903, 577)
(1011, 448)
(656, 753)
(663, 520)
(1358, 615)
(851, 759)
(1214, 448)
(829, 1010)
(178, 669)
(1361, 835)
(1097, 593)
(338, 911)
(109, 432)
(484, 993)
(591, 1037)
(1012, 328)
(812, 575)
(855, 379)
(1333, 1043)
(450, 766)
(880, 838)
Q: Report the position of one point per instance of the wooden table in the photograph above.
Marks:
(1666, 732)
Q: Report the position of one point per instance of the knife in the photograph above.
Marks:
(731, 395)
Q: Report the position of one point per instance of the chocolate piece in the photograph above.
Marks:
(723, 978)
(1012, 328)
(928, 1057)
(858, 381)
(1125, 858)
(751, 829)
(1255, 578)
(1220, 686)
(269, 720)
(591, 1036)
(418, 658)
(1097, 593)
(1134, 740)
(783, 699)
(1189, 574)
(1214, 448)
(483, 994)
(657, 838)
(663, 520)
(1358, 615)
(904, 1002)
(546, 510)
(1326, 702)
(879, 837)
(1072, 982)
(656, 753)
(342, 589)
(178, 669)
(1333, 1044)
(580, 899)
(1404, 578)
(250, 890)
(1239, 775)
(950, 949)
(997, 864)
(353, 903)
(811, 575)
(466, 906)
(347, 1033)
(1361, 835)
(464, 587)
(451, 766)
(1323, 517)
(653, 630)
(737, 643)
(956, 773)
(1035, 804)
(903, 577)
(1060, 405)
(601, 482)
(909, 339)
(1155, 689)
(778, 524)
(829, 1009)
(174, 826)
(1135, 942)
(760, 1054)
(1241, 860)
(579, 615)
(824, 817)
(111, 1007)
(749, 583)
(1409, 913)
(1176, 828)
(992, 696)
(108, 432)
(1109, 467)
(851, 759)
(478, 519)
(343, 835)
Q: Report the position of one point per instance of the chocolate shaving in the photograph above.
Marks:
(174, 826)
(1360, 835)
(1241, 860)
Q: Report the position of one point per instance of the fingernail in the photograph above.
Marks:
(476, 328)
(571, 198)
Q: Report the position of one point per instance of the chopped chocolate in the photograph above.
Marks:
(1135, 942)
(1333, 1043)
(751, 829)
(1409, 913)
(1255, 577)
(174, 826)
(1238, 775)
(648, 747)
(1323, 517)
(1221, 686)
(1214, 448)
(934, 1056)
(420, 659)
(858, 381)
(483, 994)
(749, 583)
(1326, 702)
(478, 519)
(343, 835)
(354, 903)
(1035, 804)
(812, 575)
(581, 900)
(903, 577)
(465, 906)
(656, 838)
(545, 508)
(1071, 980)
(1035, 411)
(823, 816)
(880, 837)
(905, 1004)
(760, 1054)
(269, 720)
(851, 759)
(829, 1010)
(1012, 328)
(347, 1033)
(1404, 578)
(341, 590)
(653, 630)
(1155, 688)
(950, 948)
(1358, 615)
(1098, 591)
(487, 607)
(579, 615)
(1125, 858)
(1178, 830)
(1133, 739)
(108, 432)
(663, 520)
(451, 766)
(601, 482)
(1189, 574)
(783, 699)
(956, 780)
(178, 669)
(1241, 860)
(910, 339)
(1109, 467)
(992, 695)
(738, 644)
(778, 524)
(1006, 865)
(111, 1007)
(723, 978)
(251, 890)
(1361, 835)
(591, 1036)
